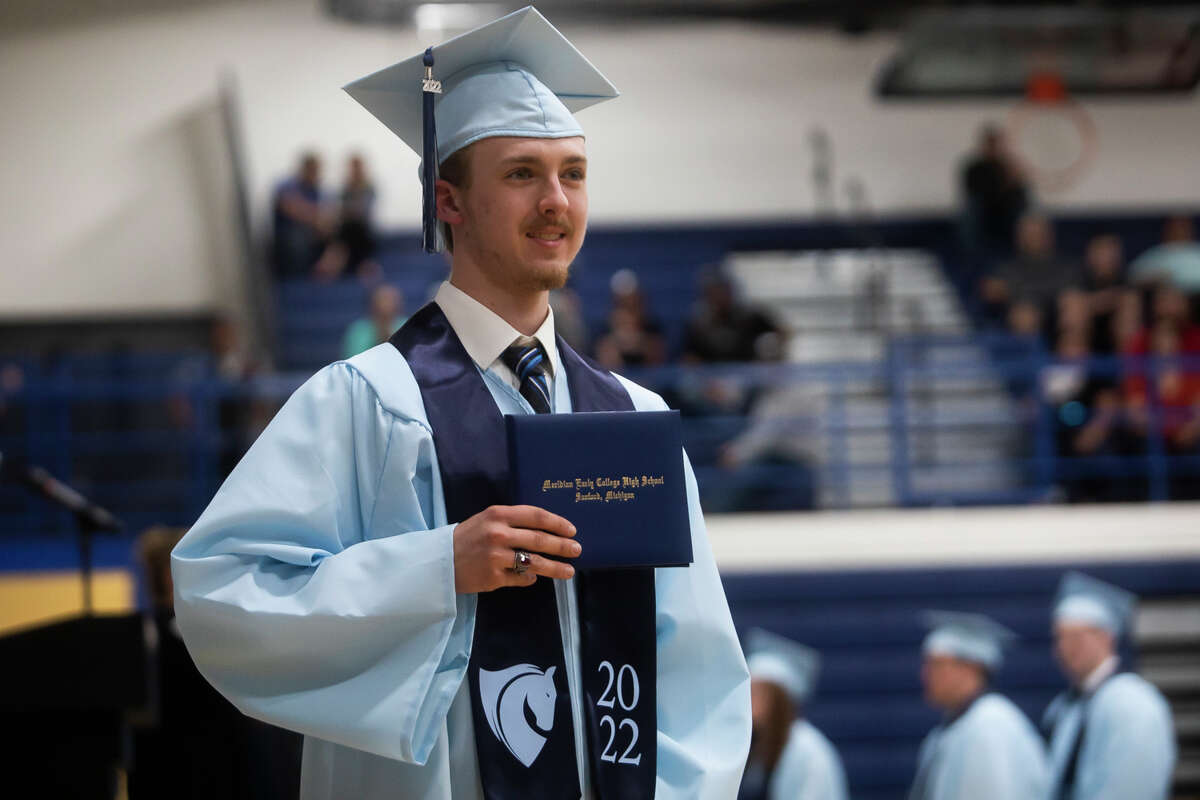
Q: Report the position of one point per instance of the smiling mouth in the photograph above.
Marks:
(552, 236)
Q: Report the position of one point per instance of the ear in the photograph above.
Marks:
(446, 200)
(550, 672)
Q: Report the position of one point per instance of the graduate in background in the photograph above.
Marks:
(352, 579)
(197, 746)
(1111, 734)
(985, 748)
(789, 758)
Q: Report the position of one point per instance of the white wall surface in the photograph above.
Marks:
(954, 537)
(100, 196)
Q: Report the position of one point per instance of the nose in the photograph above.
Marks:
(554, 202)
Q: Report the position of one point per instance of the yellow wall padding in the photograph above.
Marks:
(32, 598)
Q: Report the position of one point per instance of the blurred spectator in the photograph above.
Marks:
(1176, 260)
(385, 315)
(301, 227)
(995, 195)
(994, 310)
(1025, 319)
(1168, 306)
(772, 463)
(568, 318)
(1127, 322)
(198, 745)
(353, 246)
(241, 415)
(1174, 390)
(1029, 282)
(721, 329)
(1073, 311)
(1103, 284)
(228, 363)
(231, 359)
(1087, 415)
(633, 338)
(227, 359)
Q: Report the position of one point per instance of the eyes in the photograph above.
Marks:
(570, 175)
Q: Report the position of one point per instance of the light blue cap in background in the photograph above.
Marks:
(516, 76)
(971, 637)
(1085, 600)
(781, 661)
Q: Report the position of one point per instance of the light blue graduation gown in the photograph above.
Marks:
(316, 592)
(808, 769)
(991, 752)
(1128, 750)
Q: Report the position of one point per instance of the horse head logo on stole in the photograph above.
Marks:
(505, 694)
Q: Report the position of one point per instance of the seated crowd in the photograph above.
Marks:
(1126, 378)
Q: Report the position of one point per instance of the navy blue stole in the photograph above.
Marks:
(755, 782)
(521, 707)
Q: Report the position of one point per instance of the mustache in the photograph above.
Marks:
(563, 227)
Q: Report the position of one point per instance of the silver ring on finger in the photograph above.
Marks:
(521, 561)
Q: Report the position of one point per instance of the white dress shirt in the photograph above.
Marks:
(486, 335)
(1103, 671)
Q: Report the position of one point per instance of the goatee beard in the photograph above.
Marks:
(549, 280)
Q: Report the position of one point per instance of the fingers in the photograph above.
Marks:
(537, 519)
(545, 567)
(539, 542)
(485, 545)
(513, 579)
(550, 568)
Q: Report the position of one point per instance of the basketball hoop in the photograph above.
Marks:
(1054, 136)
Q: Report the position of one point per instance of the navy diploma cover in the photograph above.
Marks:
(617, 476)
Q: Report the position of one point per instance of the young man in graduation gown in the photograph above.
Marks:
(984, 748)
(789, 758)
(1111, 734)
(359, 578)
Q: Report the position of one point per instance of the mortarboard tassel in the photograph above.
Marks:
(429, 159)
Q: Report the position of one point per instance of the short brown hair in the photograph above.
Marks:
(455, 170)
(768, 743)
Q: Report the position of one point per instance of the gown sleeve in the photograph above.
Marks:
(316, 592)
(1129, 749)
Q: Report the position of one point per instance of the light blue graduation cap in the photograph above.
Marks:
(516, 76)
(1084, 599)
(971, 637)
(789, 664)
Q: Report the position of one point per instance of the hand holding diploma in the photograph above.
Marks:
(486, 544)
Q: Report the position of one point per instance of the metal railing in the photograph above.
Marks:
(916, 428)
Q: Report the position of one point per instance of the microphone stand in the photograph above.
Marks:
(90, 519)
(85, 529)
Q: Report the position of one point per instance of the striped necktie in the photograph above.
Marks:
(528, 363)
